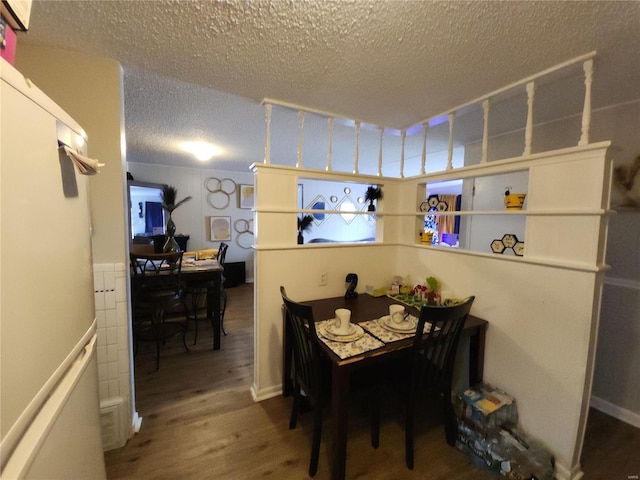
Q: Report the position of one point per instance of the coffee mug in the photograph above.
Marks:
(342, 322)
(396, 313)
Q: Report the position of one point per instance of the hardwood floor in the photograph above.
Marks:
(199, 421)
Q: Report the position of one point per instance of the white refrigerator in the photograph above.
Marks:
(49, 404)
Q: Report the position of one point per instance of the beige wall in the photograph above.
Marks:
(90, 90)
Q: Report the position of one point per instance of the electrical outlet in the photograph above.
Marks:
(322, 281)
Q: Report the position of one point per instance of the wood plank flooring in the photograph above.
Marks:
(200, 422)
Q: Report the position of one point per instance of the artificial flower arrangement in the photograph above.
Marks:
(429, 293)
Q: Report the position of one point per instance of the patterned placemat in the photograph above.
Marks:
(386, 335)
(349, 349)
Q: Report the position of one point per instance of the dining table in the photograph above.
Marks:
(201, 272)
(376, 345)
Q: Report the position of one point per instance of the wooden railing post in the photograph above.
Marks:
(380, 152)
(300, 127)
(267, 143)
(423, 161)
(528, 133)
(586, 110)
(485, 131)
(404, 137)
(355, 160)
(452, 119)
(330, 146)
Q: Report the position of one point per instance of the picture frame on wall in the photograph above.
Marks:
(220, 228)
(246, 196)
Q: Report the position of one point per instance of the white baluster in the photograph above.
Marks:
(586, 110)
(300, 125)
(485, 131)
(452, 119)
(404, 137)
(330, 146)
(528, 133)
(380, 152)
(267, 142)
(355, 161)
(423, 162)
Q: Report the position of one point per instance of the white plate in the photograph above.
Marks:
(356, 335)
(331, 329)
(407, 326)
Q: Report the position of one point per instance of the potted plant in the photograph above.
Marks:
(169, 204)
(372, 193)
(304, 223)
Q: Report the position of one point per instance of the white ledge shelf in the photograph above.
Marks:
(309, 211)
(568, 212)
(549, 262)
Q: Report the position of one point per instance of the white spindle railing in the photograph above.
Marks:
(404, 138)
(267, 143)
(452, 120)
(586, 109)
(380, 151)
(355, 160)
(330, 121)
(300, 127)
(528, 131)
(587, 65)
(485, 130)
(423, 159)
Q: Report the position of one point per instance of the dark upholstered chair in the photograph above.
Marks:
(432, 361)
(156, 287)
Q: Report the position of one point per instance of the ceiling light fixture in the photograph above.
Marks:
(203, 151)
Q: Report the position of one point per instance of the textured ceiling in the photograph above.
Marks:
(200, 68)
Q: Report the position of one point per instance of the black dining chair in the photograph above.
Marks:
(432, 361)
(198, 290)
(156, 288)
(310, 375)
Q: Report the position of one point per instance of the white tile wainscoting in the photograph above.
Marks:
(114, 369)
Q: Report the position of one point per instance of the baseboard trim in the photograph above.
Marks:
(615, 411)
(266, 393)
(113, 414)
(563, 473)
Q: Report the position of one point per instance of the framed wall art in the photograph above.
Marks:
(220, 228)
(245, 196)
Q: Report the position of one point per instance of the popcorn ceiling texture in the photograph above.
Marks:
(385, 62)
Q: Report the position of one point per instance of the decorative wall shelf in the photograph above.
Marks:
(518, 212)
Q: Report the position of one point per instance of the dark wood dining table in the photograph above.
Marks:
(209, 273)
(363, 308)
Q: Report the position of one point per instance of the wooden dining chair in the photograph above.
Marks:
(156, 287)
(197, 291)
(307, 370)
(310, 376)
(432, 361)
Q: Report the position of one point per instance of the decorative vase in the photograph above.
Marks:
(371, 207)
(300, 238)
(170, 245)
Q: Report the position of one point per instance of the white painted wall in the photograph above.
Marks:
(542, 310)
(616, 386)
